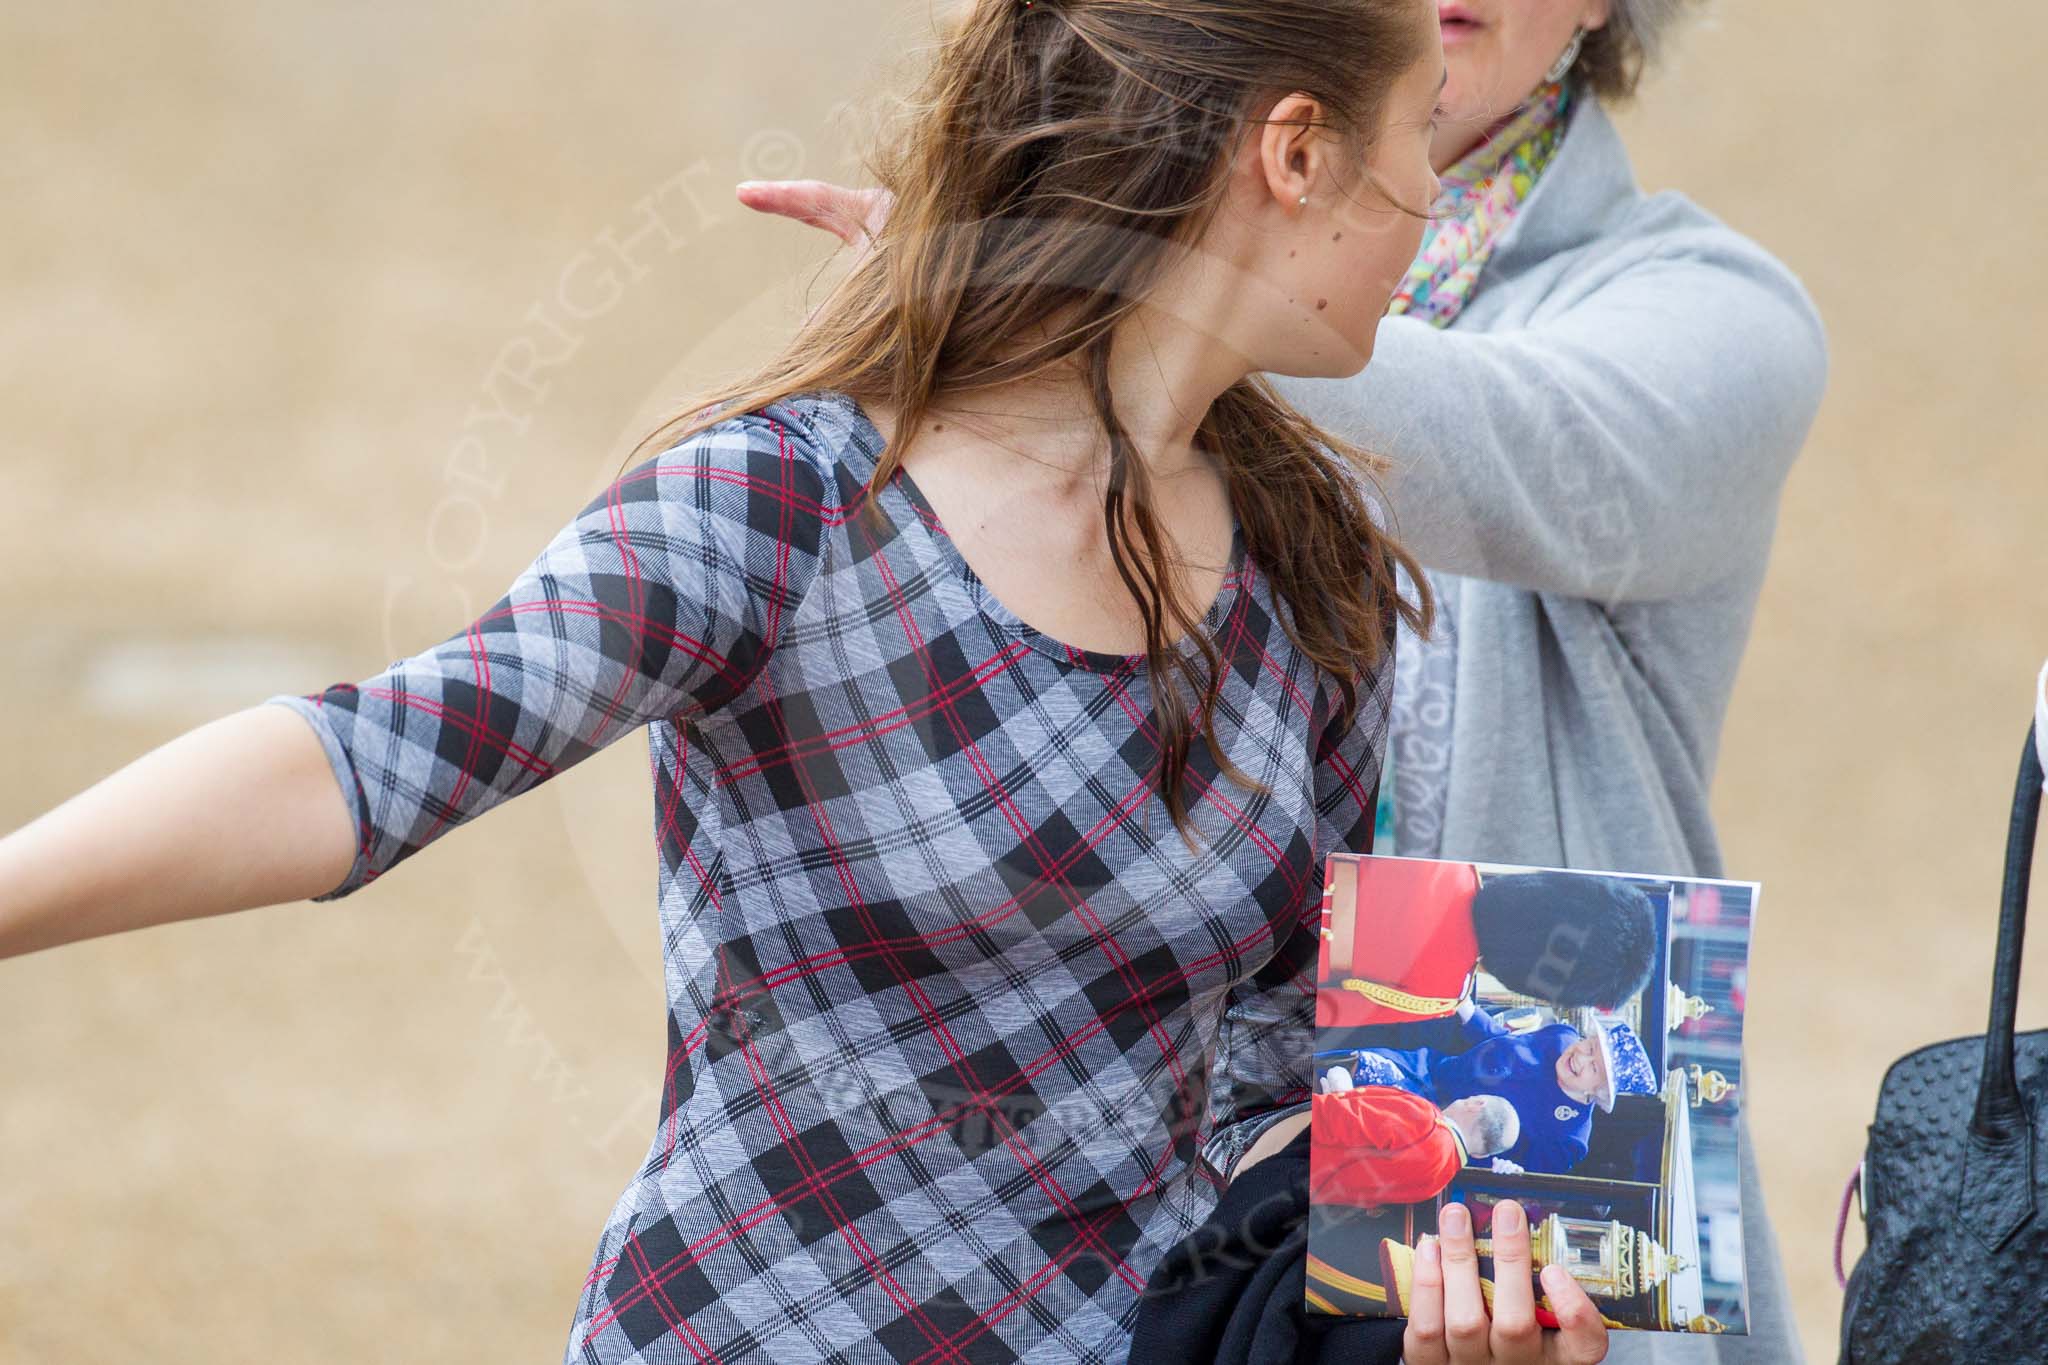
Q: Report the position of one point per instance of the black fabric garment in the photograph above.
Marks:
(1230, 1293)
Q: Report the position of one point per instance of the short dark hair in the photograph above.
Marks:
(1612, 61)
(1566, 937)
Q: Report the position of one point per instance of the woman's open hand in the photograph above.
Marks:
(853, 216)
(1448, 1323)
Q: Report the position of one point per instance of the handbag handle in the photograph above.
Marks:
(1996, 1196)
(1999, 1106)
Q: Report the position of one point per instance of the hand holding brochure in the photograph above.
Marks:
(1569, 1040)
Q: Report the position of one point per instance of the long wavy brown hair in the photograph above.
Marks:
(1054, 158)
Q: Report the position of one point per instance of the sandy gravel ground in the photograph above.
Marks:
(264, 271)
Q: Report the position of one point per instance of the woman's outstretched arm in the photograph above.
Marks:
(662, 598)
(233, 814)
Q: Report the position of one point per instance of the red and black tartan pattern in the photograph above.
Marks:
(962, 1034)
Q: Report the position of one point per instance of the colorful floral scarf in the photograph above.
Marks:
(1482, 193)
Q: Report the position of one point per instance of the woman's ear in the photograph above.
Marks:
(1290, 148)
(1596, 14)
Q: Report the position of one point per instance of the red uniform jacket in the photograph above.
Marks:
(1379, 1145)
(1400, 930)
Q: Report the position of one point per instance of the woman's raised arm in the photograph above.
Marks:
(1628, 447)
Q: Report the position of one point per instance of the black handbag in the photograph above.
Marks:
(1954, 1179)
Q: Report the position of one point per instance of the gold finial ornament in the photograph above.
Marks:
(1709, 1087)
(1681, 1009)
(1609, 1259)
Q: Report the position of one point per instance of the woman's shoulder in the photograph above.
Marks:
(1736, 286)
(1671, 225)
(791, 460)
(1598, 224)
(1661, 269)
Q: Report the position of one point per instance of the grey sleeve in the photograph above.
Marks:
(1631, 445)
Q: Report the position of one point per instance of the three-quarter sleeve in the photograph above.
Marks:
(1264, 1070)
(663, 597)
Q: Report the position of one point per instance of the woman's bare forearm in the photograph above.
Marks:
(240, 812)
(1271, 1141)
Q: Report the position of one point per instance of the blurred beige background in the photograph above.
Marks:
(317, 320)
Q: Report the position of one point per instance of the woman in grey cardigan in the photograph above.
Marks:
(1588, 460)
(1591, 405)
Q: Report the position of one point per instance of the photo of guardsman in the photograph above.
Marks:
(1392, 1146)
(1568, 1039)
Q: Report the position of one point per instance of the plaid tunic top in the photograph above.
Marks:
(962, 1035)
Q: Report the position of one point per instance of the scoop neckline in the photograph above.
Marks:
(1229, 593)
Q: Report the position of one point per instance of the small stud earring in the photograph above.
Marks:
(1304, 201)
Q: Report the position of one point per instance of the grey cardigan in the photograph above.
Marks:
(1594, 452)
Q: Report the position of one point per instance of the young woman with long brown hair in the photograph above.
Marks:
(1590, 396)
(1009, 658)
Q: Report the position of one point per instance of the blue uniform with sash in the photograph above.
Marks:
(1519, 1067)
